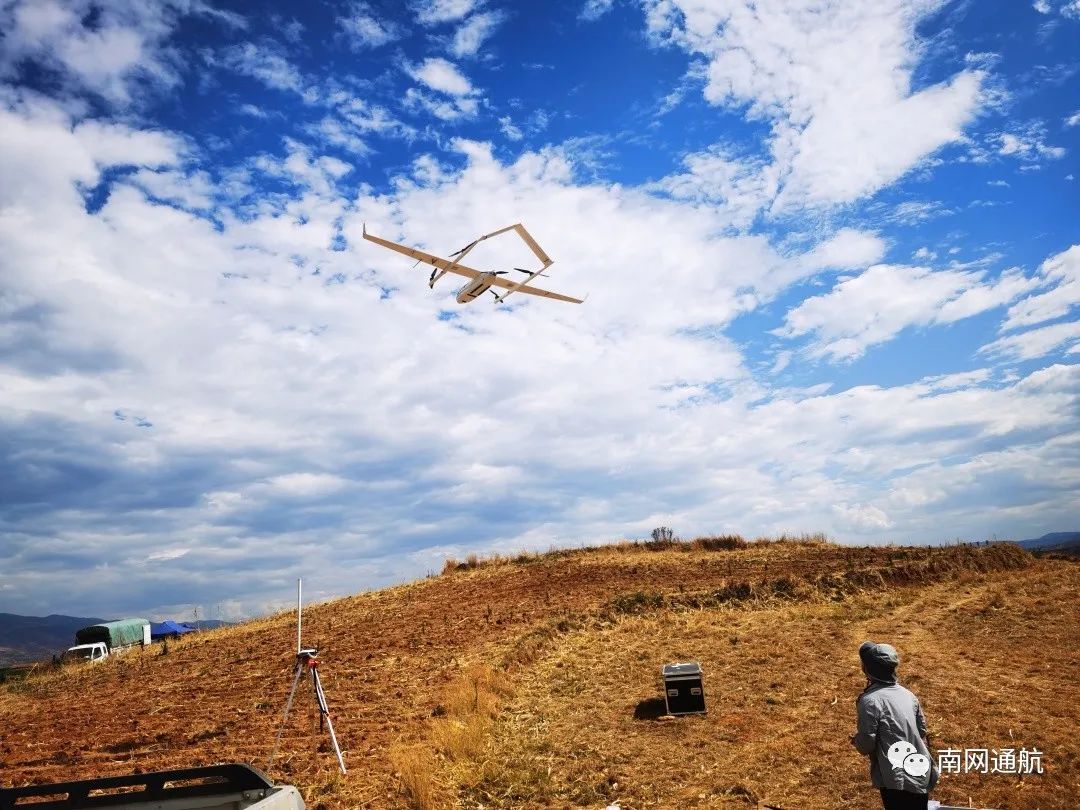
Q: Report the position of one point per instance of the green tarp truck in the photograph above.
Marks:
(118, 634)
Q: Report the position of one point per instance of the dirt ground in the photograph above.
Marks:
(988, 640)
(992, 659)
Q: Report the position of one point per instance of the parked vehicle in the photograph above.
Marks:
(116, 635)
(97, 651)
(215, 787)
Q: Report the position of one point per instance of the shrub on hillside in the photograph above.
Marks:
(726, 542)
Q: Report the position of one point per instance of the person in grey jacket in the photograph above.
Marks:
(892, 732)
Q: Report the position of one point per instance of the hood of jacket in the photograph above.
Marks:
(879, 661)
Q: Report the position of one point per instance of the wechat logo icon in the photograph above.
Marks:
(904, 755)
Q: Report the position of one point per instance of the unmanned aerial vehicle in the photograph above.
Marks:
(479, 280)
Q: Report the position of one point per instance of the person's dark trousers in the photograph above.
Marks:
(902, 800)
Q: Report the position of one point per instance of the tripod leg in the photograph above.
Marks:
(324, 710)
(285, 717)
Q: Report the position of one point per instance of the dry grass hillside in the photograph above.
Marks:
(533, 682)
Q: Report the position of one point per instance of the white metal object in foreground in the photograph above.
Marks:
(480, 281)
(307, 659)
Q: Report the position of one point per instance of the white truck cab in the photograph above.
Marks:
(87, 652)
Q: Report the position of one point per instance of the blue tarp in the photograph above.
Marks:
(168, 628)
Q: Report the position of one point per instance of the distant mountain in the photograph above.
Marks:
(1063, 542)
(36, 638)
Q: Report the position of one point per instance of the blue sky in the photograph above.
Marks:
(831, 251)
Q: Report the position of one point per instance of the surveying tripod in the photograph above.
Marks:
(308, 659)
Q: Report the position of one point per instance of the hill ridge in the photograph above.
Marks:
(394, 660)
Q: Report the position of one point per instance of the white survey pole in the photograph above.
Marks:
(298, 591)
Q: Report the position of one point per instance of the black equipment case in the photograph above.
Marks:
(684, 692)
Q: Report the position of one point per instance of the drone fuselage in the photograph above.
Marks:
(475, 288)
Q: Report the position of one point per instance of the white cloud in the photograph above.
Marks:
(507, 128)
(595, 9)
(1073, 119)
(1042, 6)
(740, 187)
(167, 554)
(1028, 147)
(860, 517)
(443, 76)
(846, 249)
(844, 118)
(254, 111)
(353, 119)
(116, 56)
(312, 411)
(433, 12)
(471, 35)
(307, 485)
(194, 190)
(876, 305)
(442, 108)
(457, 99)
(264, 64)
(1035, 343)
(365, 30)
(1061, 274)
(913, 212)
(76, 154)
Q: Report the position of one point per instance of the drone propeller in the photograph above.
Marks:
(531, 273)
(456, 252)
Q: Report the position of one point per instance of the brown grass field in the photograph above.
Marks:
(533, 682)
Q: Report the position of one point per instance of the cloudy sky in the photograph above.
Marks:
(831, 249)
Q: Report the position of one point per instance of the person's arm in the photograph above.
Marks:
(865, 739)
(920, 723)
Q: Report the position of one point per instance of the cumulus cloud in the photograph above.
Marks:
(877, 304)
(116, 52)
(844, 117)
(507, 128)
(266, 63)
(434, 12)
(443, 76)
(1058, 293)
(740, 186)
(1035, 342)
(1028, 145)
(474, 31)
(456, 97)
(860, 517)
(366, 30)
(307, 484)
(595, 9)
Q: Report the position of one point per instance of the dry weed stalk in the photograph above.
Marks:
(414, 766)
(469, 706)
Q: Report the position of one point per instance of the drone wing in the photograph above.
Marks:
(428, 258)
(510, 285)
